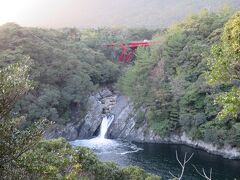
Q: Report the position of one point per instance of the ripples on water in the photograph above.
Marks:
(159, 158)
(107, 146)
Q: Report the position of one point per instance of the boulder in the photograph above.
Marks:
(105, 93)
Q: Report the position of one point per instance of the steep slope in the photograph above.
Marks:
(169, 84)
(68, 65)
(65, 70)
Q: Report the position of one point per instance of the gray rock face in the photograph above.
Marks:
(92, 120)
(121, 121)
(69, 132)
(105, 92)
(124, 125)
(82, 128)
(99, 104)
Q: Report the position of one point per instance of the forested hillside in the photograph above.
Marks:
(65, 70)
(67, 65)
(171, 81)
(44, 75)
(186, 82)
(168, 80)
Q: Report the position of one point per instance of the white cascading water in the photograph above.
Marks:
(102, 145)
(100, 140)
(106, 122)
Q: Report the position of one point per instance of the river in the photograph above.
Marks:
(160, 158)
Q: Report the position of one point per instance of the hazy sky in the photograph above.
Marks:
(52, 13)
(94, 13)
(56, 13)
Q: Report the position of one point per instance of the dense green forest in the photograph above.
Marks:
(177, 81)
(188, 82)
(64, 69)
(25, 155)
(67, 65)
(46, 77)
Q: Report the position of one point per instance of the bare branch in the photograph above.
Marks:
(172, 175)
(179, 160)
(182, 164)
(189, 158)
(203, 174)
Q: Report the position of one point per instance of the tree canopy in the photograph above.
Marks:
(23, 152)
(225, 68)
(15, 141)
(170, 81)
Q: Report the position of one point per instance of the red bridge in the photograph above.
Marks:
(128, 49)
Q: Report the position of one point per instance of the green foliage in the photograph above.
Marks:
(234, 135)
(230, 101)
(140, 117)
(67, 66)
(55, 159)
(225, 68)
(87, 158)
(23, 155)
(214, 132)
(169, 81)
(136, 173)
(133, 81)
(14, 83)
(66, 70)
(231, 34)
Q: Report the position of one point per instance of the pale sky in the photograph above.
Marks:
(59, 13)
(52, 13)
(95, 13)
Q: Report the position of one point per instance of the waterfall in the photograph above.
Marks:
(106, 122)
(102, 145)
(99, 142)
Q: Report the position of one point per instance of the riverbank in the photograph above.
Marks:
(126, 126)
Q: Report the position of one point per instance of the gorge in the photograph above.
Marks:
(124, 126)
(70, 110)
(117, 138)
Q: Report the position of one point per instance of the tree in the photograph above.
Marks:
(14, 83)
(64, 64)
(169, 82)
(50, 160)
(182, 164)
(203, 173)
(225, 68)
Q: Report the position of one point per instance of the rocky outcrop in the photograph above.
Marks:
(99, 104)
(92, 120)
(126, 126)
(225, 151)
(69, 131)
